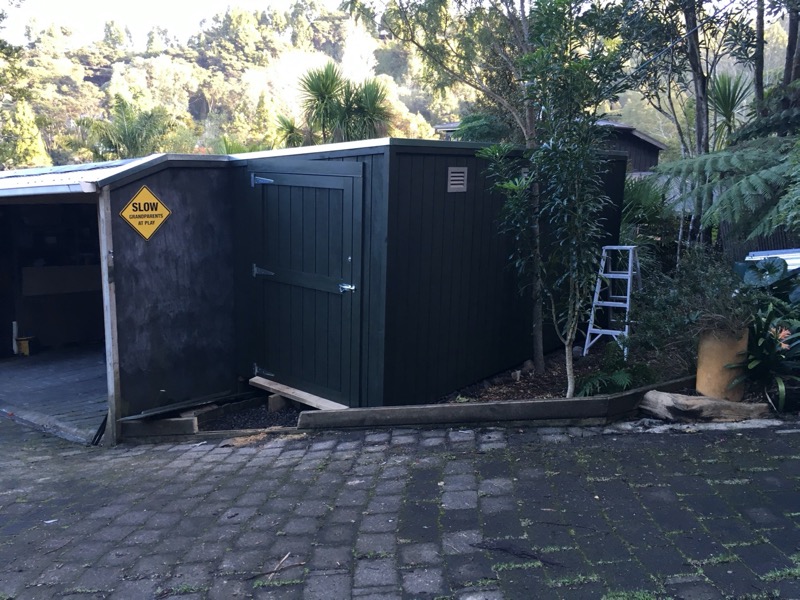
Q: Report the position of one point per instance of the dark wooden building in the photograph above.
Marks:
(367, 274)
(80, 275)
(642, 150)
(435, 306)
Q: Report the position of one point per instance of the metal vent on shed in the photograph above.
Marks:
(456, 179)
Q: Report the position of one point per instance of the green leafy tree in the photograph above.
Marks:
(236, 39)
(22, 144)
(475, 43)
(573, 72)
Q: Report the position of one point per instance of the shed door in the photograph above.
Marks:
(307, 268)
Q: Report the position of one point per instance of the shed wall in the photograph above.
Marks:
(174, 293)
(642, 156)
(454, 314)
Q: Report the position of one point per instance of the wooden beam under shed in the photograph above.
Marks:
(295, 394)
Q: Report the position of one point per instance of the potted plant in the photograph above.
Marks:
(722, 333)
(702, 310)
(772, 357)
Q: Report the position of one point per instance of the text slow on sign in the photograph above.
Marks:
(145, 213)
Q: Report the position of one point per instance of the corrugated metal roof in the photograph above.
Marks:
(60, 180)
(88, 178)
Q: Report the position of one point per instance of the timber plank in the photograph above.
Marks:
(295, 394)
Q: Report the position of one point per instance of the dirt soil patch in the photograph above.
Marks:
(524, 384)
(258, 417)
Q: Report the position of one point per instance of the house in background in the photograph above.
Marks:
(643, 150)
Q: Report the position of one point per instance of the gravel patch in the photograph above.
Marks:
(254, 418)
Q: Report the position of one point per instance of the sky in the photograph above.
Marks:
(86, 17)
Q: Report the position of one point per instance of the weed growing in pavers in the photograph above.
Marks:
(786, 573)
(635, 595)
(780, 574)
(500, 567)
(756, 469)
(713, 560)
(551, 549)
(181, 590)
(648, 484)
(571, 580)
(260, 583)
(597, 478)
(761, 595)
(746, 544)
(368, 555)
(485, 582)
(735, 481)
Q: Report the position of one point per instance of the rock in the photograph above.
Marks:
(678, 407)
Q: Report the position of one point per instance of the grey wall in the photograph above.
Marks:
(174, 293)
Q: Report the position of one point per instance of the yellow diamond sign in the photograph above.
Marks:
(145, 213)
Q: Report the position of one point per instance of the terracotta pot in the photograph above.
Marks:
(715, 350)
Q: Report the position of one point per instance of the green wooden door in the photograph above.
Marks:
(307, 272)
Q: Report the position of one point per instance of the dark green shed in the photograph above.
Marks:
(373, 274)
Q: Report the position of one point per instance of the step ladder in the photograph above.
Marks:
(619, 271)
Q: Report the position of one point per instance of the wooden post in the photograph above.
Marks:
(109, 315)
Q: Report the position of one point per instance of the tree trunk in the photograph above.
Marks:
(758, 55)
(796, 59)
(538, 309)
(537, 315)
(570, 367)
(791, 46)
(699, 77)
(700, 80)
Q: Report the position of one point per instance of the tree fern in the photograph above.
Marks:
(747, 184)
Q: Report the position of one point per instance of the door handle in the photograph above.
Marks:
(346, 287)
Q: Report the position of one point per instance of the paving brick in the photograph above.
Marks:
(459, 500)
(326, 587)
(420, 554)
(376, 543)
(421, 581)
(375, 572)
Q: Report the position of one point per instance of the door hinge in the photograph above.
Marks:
(259, 372)
(259, 272)
(254, 179)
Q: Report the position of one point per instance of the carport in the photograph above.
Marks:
(103, 276)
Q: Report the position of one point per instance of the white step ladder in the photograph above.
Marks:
(619, 268)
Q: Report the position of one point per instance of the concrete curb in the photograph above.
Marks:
(587, 411)
(47, 424)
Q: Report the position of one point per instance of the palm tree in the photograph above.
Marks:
(321, 99)
(349, 106)
(374, 115)
(290, 134)
(130, 132)
(727, 97)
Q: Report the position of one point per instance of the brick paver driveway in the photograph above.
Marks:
(437, 513)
